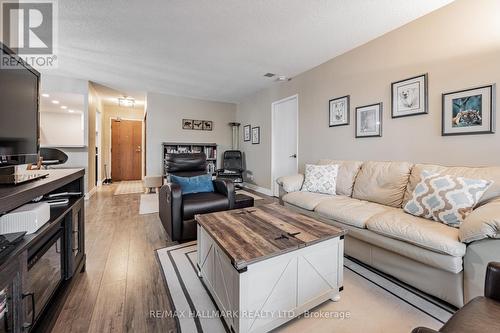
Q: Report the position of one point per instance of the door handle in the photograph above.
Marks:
(294, 156)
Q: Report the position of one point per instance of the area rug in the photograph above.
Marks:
(256, 197)
(370, 302)
(149, 204)
(129, 187)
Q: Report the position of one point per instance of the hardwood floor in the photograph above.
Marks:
(123, 282)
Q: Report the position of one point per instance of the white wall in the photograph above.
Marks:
(59, 127)
(457, 45)
(77, 157)
(164, 124)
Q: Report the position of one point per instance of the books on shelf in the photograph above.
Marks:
(211, 153)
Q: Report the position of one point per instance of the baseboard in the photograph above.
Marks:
(259, 189)
(90, 193)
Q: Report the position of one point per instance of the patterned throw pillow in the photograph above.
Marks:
(321, 178)
(444, 198)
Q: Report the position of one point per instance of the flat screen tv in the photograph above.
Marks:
(19, 110)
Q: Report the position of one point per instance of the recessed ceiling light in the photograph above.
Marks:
(64, 107)
(281, 78)
(45, 95)
(55, 102)
(269, 74)
(71, 111)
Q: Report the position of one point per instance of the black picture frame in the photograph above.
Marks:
(348, 110)
(187, 124)
(257, 129)
(197, 125)
(245, 129)
(380, 111)
(426, 96)
(208, 125)
(492, 114)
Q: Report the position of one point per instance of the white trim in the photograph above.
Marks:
(273, 105)
(259, 189)
(89, 194)
(111, 142)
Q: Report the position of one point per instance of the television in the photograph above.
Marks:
(19, 110)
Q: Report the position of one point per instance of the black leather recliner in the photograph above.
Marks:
(232, 166)
(177, 211)
(480, 315)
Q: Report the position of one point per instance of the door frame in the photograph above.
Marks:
(111, 143)
(273, 141)
(98, 144)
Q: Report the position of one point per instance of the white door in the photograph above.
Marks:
(284, 139)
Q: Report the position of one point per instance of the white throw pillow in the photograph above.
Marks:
(321, 178)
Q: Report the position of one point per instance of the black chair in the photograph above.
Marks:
(52, 156)
(177, 211)
(480, 315)
(232, 166)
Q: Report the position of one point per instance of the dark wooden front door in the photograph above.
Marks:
(126, 149)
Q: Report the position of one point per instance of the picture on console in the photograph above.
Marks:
(470, 111)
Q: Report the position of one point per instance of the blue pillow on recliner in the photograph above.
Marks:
(196, 184)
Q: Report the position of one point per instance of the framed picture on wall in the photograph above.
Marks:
(246, 133)
(409, 97)
(256, 135)
(197, 124)
(470, 111)
(207, 125)
(369, 121)
(338, 114)
(187, 124)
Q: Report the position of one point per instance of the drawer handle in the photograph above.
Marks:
(32, 297)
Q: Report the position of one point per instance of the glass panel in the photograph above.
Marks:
(44, 277)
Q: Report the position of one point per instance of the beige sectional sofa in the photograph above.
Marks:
(443, 261)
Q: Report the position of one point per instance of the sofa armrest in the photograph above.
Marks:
(170, 210)
(482, 222)
(492, 283)
(226, 187)
(290, 183)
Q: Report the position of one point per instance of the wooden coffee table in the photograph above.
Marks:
(266, 265)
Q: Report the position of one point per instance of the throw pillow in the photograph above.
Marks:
(444, 198)
(196, 184)
(321, 178)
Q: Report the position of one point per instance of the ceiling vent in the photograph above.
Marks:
(269, 74)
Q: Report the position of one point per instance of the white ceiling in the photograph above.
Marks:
(109, 96)
(217, 49)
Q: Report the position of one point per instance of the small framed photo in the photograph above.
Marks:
(470, 111)
(187, 124)
(409, 97)
(246, 133)
(339, 111)
(197, 124)
(369, 121)
(256, 135)
(207, 125)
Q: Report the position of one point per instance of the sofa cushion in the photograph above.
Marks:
(348, 210)
(444, 198)
(487, 173)
(348, 170)
(430, 235)
(483, 222)
(305, 200)
(382, 182)
(320, 178)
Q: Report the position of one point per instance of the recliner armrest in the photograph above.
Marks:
(170, 209)
(492, 283)
(226, 187)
